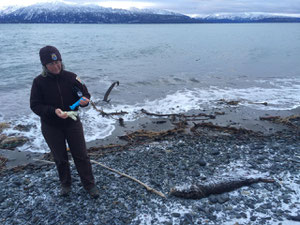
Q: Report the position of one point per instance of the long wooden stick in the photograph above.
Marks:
(115, 171)
(132, 178)
(45, 161)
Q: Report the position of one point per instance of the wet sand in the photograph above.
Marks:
(233, 116)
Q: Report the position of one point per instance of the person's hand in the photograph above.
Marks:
(84, 101)
(61, 114)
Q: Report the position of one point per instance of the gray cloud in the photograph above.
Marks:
(219, 6)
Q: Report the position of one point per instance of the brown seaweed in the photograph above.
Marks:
(150, 135)
(198, 191)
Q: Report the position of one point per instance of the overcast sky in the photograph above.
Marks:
(190, 7)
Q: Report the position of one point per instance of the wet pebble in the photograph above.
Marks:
(202, 162)
(213, 199)
(36, 190)
(253, 218)
(223, 198)
(215, 152)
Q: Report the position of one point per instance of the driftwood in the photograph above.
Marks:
(107, 114)
(204, 190)
(238, 102)
(232, 130)
(156, 114)
(109, 90)
(180, 115)
(115, 171)
(284, 120)
(44, 161)
(132, 178)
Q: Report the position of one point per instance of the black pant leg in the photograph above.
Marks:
(55, 139)
(76, 141)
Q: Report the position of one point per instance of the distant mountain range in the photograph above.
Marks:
(59, 12)
(247, 18)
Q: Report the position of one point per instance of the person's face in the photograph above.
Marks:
(54, 67)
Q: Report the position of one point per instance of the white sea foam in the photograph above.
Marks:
(282, 94)
(36, 142)
(278, 98)
(95, 125)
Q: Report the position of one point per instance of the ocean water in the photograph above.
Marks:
(163, 68)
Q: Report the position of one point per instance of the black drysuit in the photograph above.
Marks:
(58, 91)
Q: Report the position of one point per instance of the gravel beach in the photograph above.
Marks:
(30, 194)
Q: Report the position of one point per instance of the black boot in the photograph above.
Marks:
(94, 192)
(65, 191)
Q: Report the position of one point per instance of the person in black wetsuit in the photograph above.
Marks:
(52, 93)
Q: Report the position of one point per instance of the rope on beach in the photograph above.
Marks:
(120, 173)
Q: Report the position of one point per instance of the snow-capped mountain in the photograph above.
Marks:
(247, 17)
(8, 10)
(60, 12)
(64, 12)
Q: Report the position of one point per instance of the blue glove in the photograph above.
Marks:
(72, 107)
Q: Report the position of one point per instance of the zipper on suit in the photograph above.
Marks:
(59, 90)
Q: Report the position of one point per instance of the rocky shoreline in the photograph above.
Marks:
(29, 194)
